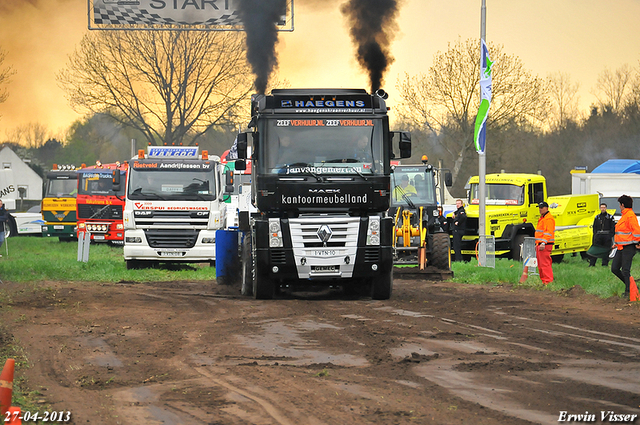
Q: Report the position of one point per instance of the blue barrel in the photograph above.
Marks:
(227, 261)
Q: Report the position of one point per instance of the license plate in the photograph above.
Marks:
(325, 269)
(56, 227)
(170, 254)
(324, 252)
(98, 237)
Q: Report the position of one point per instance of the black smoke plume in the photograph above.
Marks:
(259, 18)
(372, 28)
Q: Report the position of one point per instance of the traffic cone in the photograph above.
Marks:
(633, 290)
(6, 386)
(14, 416)
(525, 274)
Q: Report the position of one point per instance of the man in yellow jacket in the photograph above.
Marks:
(545, 238)
(626, 240)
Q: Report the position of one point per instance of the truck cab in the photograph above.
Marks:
(320, 183)
(512, 214)
(173, 206)
(59, 203)
(99, 206)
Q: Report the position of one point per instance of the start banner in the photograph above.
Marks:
(169, 14)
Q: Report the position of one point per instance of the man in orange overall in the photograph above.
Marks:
(545, 238)
(626, 240)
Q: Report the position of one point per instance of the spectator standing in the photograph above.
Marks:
(459, 224)
(626, 240)
(604, 226)
(545, 238)
(4, 217)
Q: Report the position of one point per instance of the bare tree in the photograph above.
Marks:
(170, 85)
(31, 135)
(5, 76)
(563, 96)
(446, 98)
(613, 87)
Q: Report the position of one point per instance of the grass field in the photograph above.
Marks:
(35, 259)
(572, 271)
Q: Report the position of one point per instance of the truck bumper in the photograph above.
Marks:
(136, 247)
(59, 230)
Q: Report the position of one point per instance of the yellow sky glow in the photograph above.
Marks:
(578, 37)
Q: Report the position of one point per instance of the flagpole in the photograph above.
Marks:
(482, 160)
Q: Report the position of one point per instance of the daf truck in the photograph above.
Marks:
(173, 206)
(320, 182)
(512, 214)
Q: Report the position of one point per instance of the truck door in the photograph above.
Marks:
(536, 195)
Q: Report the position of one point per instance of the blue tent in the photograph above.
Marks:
(619, 166)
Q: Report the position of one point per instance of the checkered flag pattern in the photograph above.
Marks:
(131, 15)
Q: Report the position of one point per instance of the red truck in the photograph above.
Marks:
(99, 207)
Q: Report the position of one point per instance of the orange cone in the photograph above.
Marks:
(14, 416)
(633, 290)
(525, 274)
(6, 386)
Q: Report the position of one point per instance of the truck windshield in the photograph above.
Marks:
(171, 185)
(416, 185)
(60, 188)
(98, 184)
(499, 194)
(323, 146)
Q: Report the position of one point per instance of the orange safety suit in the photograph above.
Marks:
(545, 233)
(627, 229)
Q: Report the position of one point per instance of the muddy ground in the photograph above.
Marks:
(444, 353)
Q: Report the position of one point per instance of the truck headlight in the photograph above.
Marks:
(373, 231)
(275, 233)
(133, 239)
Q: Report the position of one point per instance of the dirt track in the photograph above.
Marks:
(194, 353)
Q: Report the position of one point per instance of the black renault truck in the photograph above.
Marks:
(320, 181)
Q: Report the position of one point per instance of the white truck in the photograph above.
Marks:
(173, 206)
(609, 186)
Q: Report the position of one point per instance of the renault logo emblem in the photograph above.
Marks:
(324, 233)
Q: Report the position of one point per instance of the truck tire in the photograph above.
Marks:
(557, 258)
(382, 286)
(132, 264)
(247, 266)
(263, 287)
(441, 251)
(10, 228)
(516, 250)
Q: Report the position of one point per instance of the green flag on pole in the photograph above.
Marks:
(480, 131)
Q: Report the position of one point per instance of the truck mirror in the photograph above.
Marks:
(241, 164)
(405, 144)
(255, 137)
(228, 188)
(242, 146)
(115, 181)
(448, 179)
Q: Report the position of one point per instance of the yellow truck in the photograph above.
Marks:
(59, 203)
(512, 214)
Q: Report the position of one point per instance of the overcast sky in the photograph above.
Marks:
(578, 37)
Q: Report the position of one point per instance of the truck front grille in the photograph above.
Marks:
(278, 256)
(100, 212)
(344, 231)
(171, 238)
(371, 255)
(171, 218)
